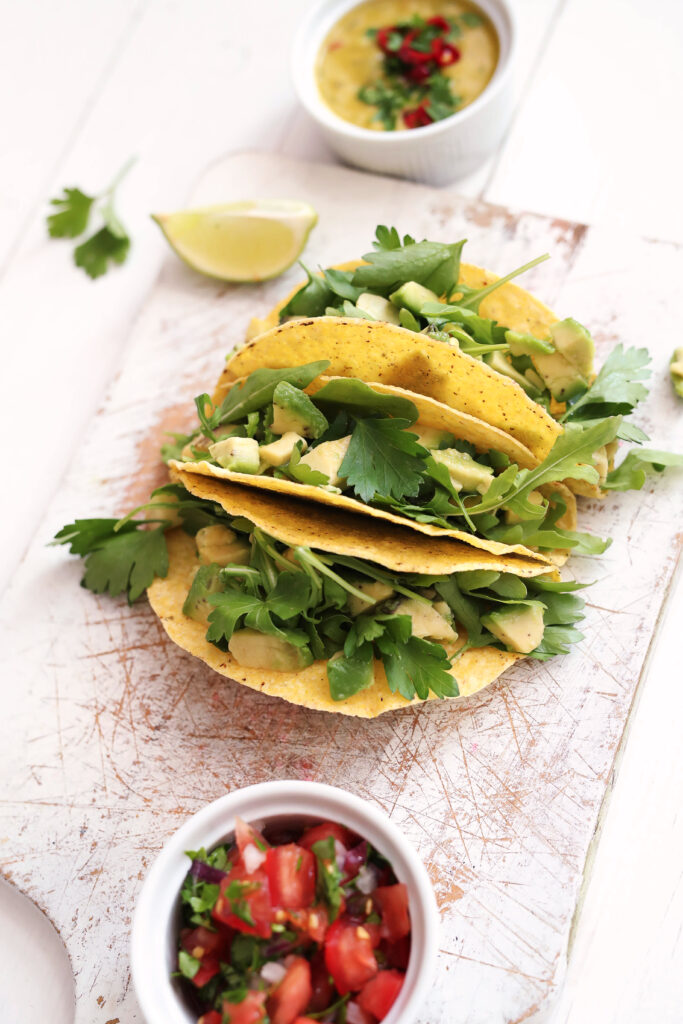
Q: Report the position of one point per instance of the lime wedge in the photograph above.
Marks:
(247, 241)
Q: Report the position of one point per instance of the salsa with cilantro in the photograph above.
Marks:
(292, 926)
(400, 64)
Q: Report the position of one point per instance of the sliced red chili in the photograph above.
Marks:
(408, 54)
(439, 22)
(448, 54)
(418, 117)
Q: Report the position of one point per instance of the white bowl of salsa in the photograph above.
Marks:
(271, 842)
(339, 64)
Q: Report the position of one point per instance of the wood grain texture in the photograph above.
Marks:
(117, 736)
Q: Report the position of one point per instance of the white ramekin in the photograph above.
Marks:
(438, 153)
(155, 924)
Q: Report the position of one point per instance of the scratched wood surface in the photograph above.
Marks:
(113, 736)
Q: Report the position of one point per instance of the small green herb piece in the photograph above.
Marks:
(110, 244)
(383, 458)
(329, 875)
(187, 965)
(631, 474)
(414, 667)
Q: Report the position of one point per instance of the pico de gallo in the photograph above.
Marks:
(292, 927)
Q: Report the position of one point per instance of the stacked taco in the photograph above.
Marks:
(372, 507)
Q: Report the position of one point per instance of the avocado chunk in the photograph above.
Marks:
(258, 650)
(327, 458)
(575, 344)
(676, 371)
(376, 591)
(465, 473)
(280, 451)
(519, 626)
(294, 411)
(561, 377)
(378, 307)
(526, 344)
(534, 379)
(533, 497)
(205, 582)
(432, 438)
(240, 454)
(220, 545)
(202, 443)
(426, 619)
(413, 296)
(498, 362)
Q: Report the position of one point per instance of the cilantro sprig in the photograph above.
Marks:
(109, 244)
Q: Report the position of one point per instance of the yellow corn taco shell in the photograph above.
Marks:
(334, 531)
(431, 414)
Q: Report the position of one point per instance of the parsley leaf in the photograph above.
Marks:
(383, 458)
(350, 674)
(358, 397)
(631, 474)
(73, 213)
(97, 252)
(311, 299)
(117, 561)
(413, 665)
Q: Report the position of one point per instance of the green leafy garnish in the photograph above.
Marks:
(328, 876)
(631, 474)
(188, 965)
(617, 389)
(383, 458)
(110, 244)
(258, 389)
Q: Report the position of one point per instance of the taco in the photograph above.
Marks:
(342, 613)
(394, 455)
(545, 364)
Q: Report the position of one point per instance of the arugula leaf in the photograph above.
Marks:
(339, 282)
(358, 397)
(465, 610)
(436, 265)
(311, 299)
(303, 473)
(556, 640)
(349, 674)
(174, 449)
(329, 875)
(473, 299)
(97, 252)
(617, 389)
(383, 458)
(73, 214)
(484, 331)
(258, 389)
(631, 474)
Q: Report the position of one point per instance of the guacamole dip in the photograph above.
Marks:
(391, 65)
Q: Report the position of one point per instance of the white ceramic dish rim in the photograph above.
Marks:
(153, 930)
(324, 15)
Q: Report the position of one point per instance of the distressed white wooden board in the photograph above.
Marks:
(114, 736)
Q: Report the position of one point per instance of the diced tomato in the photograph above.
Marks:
(208, 969)
(305, 1020)
(380, 993)
(291, 874)
(324, 831)
(349, 956)
(245, 834)
(200, 942)
(293, 994)
(313, 922)
(251, 1010)
(392, 903)
(323, 989)
(396, 954)
(212, 1017)
(244, 897)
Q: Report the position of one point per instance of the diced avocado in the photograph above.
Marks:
(498, 362)
(676, 371)
(519, 626)
(327, 458)
(534, 379)
(376, 590)
(465, 473)
(378, 307)
(240, 454)
(278, 452)
(407, 320)
(526, 344)
(258, 650)
(426, 620)
(575, 344)
(294, 411)
(533, 497)
(202, 443)
(205, 582)
(432, 438)
(220, 545)
(413, 296)
(562, 379)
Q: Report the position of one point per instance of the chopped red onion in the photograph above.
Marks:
(273, 972)
(354, 860)
(205, 873)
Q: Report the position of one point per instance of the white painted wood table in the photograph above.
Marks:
(85, 85)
